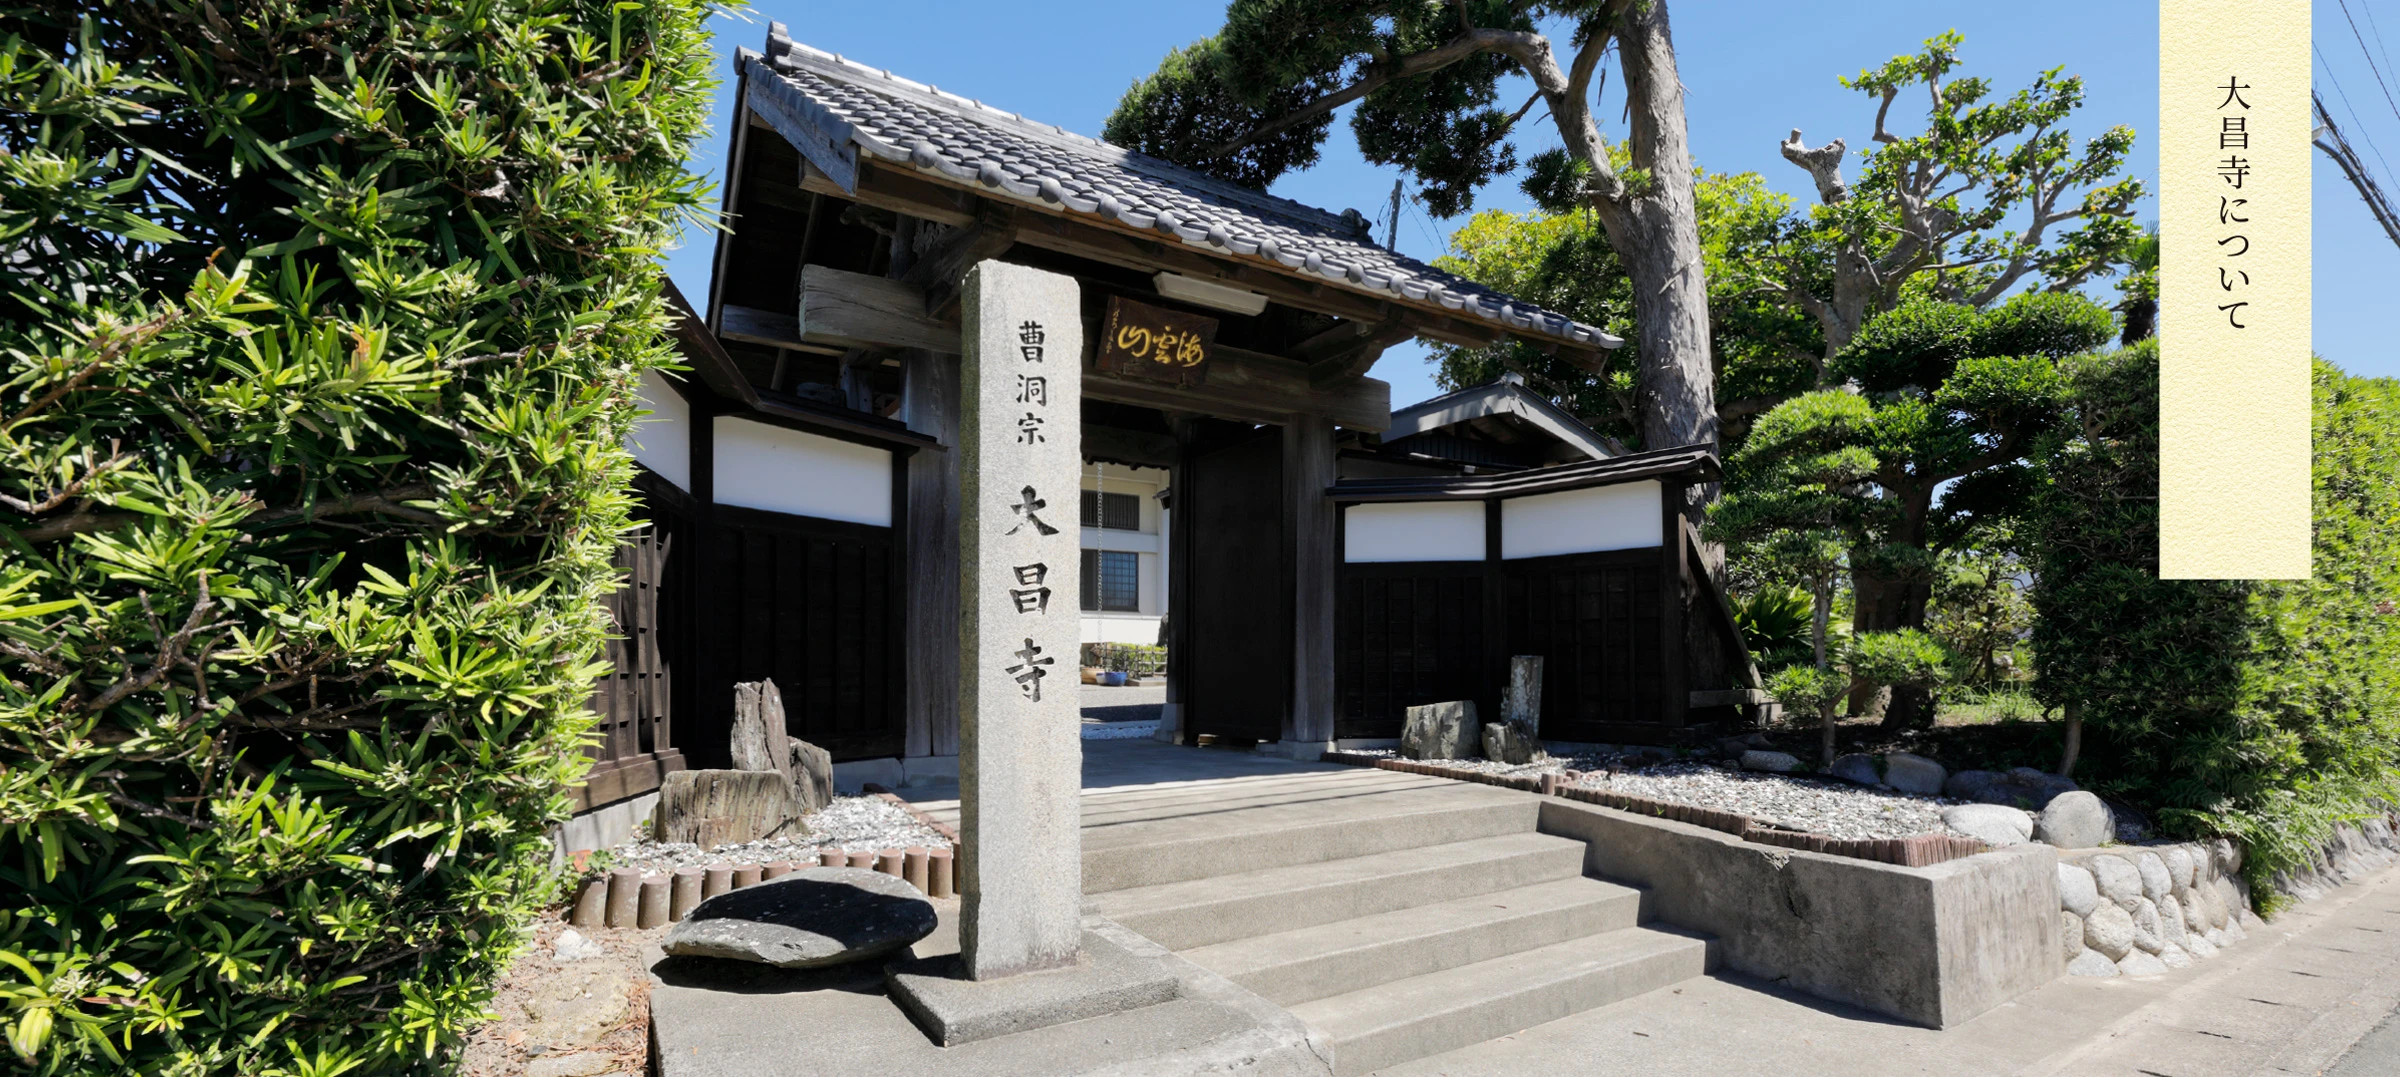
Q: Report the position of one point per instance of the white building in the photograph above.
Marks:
(1124, 553)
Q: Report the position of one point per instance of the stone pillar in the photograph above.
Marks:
(1308, 468)
(930, 406)
(1020, 730)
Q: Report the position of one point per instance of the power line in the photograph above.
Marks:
(2352, 109)
(2378, 32)
(2339, 149)
(2371, 66)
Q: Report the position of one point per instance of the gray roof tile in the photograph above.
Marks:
(900, 122)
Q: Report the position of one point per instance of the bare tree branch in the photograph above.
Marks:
(1823, 164)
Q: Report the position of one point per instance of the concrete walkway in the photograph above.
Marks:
(2291, 999)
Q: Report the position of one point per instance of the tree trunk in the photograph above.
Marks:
(2066, 762)
(2141, 321)
(1656, 234)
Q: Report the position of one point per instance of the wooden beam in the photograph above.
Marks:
(1135, 447)
(857, 310)
(1309, 519)
(943, 269)
(751, 325)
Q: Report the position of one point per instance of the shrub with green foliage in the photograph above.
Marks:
(318, 341)
(2265, 710)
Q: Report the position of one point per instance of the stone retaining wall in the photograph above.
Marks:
(2141, 910)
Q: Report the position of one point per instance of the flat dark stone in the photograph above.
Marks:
(808, 919)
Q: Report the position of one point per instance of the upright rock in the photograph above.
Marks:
(812, 775)
(1506, 744)
(1441, 731)
(1521, 705)
(723, 807)
(760, 741)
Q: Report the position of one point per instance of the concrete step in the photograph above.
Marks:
(1443, 1011)
(1137, 841)
(1296, 966)
(1201, 912)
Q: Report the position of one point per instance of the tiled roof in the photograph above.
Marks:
(900, 122)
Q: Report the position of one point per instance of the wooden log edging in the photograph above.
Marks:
(629, 898)
(1917, 851)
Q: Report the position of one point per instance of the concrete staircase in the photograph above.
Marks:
(1399, 916)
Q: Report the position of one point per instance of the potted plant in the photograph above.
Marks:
(1115, 664)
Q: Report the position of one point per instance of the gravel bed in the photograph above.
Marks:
(851, 824)
(1833, 808)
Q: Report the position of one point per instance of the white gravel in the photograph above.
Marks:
(851, 824)
(1830, 807)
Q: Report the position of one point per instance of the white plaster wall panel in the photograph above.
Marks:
(1413, 531)
(1623, 517)
(662, 440)
(779, 470)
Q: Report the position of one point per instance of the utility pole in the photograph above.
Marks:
(2329, 138)
(1391, 230)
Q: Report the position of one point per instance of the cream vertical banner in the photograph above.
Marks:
(1020, 748)
(2233, 177)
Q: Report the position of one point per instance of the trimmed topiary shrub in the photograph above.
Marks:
(2265, 710)
(318, 340)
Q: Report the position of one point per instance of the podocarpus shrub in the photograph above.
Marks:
(319, 329)
(2265, 710)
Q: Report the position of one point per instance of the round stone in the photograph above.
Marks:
(2170, 920)
(2109, 930)
(2200, 946)
(2138, 963)
(2155, 884)
(2118, 880)
(1855, 768)
(809, 919)
(2075, 820)
(2146, 934)
(1994, 824)
(2070, 935)
(2195, 911)
(2091, 963)
(1911, 773)
(2077, 893)
(2228, 856)
(2174, 957)
(2179, 868)
(1771, 762)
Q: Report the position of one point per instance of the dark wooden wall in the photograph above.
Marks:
(649, 654)
(817, 605)
(1423, 632)
(1407, 635)
(1236, 669)
(1594, 619)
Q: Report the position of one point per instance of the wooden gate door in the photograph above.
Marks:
(1237, 669)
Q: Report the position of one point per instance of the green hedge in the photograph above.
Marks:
(2265, 710)
(318, 339)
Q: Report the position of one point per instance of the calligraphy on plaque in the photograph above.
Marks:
(1143, 341)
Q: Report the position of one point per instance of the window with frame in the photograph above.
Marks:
(1112, 581)
(1112, 512)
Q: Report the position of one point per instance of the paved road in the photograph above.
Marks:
(2291, 999)
(2376, 1056)
(1122, 704)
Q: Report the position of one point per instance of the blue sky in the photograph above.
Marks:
(1752, 70)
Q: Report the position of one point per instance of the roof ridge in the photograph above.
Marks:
(783, 51)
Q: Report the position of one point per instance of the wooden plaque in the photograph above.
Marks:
(1147, 342)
